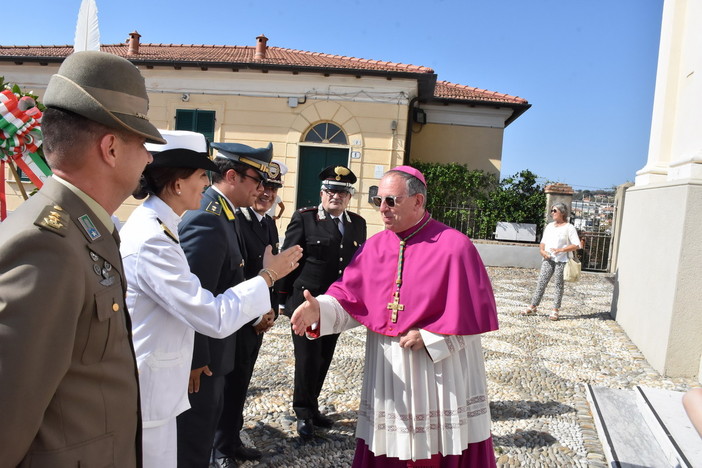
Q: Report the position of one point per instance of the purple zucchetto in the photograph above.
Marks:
(411, 171)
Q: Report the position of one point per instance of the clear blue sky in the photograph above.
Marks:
(587, 67)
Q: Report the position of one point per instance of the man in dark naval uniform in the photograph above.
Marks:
(329, 236)
(258, 231)
(216, 254)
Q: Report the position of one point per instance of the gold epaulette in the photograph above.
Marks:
(214, 208)
(167, 231)
(53, 218)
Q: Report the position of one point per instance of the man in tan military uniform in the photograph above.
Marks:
(68, 386)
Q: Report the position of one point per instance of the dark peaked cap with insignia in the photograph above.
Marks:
(257, 158)
(338, 178)
(104, 88)
(276, 181)
(182, 149)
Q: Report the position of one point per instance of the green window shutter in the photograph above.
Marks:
(205, 123)
(185, 119)
(23, 177)
(196, 120)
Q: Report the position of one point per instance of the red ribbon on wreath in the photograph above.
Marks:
(20, 139)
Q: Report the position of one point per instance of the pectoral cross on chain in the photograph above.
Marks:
(395, 306)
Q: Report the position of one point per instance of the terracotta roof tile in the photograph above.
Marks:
(198, 54)
(243, 56)
(447, 90)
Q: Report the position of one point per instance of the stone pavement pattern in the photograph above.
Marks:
(536, 373)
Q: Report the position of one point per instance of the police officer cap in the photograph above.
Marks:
(104, 88)
(257, 158)
(277, 180)
(337, 178)
(182, 149)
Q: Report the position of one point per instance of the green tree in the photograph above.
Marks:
(474, 201)
(453, 192)
(454, 183)
(517, 199)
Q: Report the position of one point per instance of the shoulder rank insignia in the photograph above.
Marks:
(54, 219)
(307, 208)
(167, 231)
(214, 208)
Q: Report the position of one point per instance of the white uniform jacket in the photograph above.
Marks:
(167, 304)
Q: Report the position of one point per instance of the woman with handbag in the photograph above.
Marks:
(560, 238)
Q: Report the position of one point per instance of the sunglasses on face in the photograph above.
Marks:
(340, 193)
(258, 180)
(390, 200)
(554, 211)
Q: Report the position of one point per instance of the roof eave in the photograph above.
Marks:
(422, 76)
(517, 108)
(31, 59)
(426, 81)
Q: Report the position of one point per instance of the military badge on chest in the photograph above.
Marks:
(103, 269)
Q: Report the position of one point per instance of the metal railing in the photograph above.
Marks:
(463, 218)
(595, 255)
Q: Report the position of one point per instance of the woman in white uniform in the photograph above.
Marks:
(166, 301)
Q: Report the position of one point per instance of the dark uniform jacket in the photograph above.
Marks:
(209, 237)
(69, 393)
(325, 253)
(256, 237)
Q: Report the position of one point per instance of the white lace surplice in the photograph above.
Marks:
(417, 403)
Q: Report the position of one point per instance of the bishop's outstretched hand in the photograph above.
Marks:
(306, 314)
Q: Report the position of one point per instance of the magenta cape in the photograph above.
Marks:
(445, 288)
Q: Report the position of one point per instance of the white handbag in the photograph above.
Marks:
(571, 272)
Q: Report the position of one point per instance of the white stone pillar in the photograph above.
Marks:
(659, 298)
(675, 147)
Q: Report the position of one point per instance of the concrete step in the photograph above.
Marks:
(665, 415)
(644, 427)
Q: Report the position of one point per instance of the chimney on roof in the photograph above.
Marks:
(133, 43)
(261, 47)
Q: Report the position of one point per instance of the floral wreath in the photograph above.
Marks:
(20, 139)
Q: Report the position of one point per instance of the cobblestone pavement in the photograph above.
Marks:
(536, 372)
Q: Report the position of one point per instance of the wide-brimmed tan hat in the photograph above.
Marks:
(105, 88)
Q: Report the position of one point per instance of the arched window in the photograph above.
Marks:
(326, 132)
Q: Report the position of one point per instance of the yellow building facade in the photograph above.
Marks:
(382, 115)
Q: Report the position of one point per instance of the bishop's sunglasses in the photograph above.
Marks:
(390, 200)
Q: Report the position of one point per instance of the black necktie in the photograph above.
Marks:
(264, 231)
(239, 238)
(336, 223)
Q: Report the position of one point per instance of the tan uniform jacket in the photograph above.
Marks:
(69, 391)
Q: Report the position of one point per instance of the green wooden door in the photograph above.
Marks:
(312, 160)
